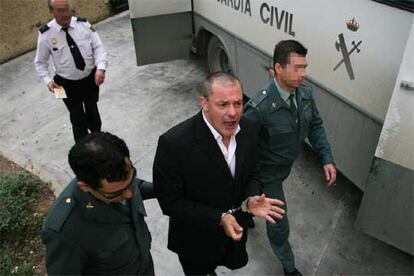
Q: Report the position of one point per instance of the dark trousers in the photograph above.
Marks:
(149, 270)
(197, 269)
(81, 101)
(278, 233)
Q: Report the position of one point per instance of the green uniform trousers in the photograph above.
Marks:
(278, 233)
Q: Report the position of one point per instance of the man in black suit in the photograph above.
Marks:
(207, 182)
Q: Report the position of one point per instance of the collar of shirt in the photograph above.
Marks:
(59, 27)
(229, 153)
(285, 94)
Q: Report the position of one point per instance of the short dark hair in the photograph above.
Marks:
(222, 77)
(286, 47)
(98, 156)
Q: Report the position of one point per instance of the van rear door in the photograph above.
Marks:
(162, 29)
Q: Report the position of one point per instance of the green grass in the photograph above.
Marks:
(19, 224)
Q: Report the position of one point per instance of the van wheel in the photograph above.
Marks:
(217, 58)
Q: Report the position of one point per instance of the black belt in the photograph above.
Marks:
(62, 79)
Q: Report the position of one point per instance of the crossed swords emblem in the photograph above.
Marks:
(341, 46)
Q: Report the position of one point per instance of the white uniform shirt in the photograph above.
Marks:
(53, 43)
(228, 153)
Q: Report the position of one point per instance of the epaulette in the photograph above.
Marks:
(306, 91)
(60, 213)
(258, 98)
(43, 28)
(81, 19)
(306, 86)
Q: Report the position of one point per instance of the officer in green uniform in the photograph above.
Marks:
(96, 225)
(288, 113)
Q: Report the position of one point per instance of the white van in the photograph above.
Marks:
(361, 56)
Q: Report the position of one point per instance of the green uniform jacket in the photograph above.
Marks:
(282, 134)
(84, 235)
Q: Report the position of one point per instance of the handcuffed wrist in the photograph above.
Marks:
(245, 205)
(222, 217)
(229, 212)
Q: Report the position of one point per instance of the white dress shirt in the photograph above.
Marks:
(53, 43)
(228, 153)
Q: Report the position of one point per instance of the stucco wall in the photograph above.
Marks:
(20, 20)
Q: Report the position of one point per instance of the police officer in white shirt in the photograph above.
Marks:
(79, 60)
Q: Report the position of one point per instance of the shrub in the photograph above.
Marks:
(19, 223)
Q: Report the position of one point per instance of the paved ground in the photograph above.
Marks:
(140, 103)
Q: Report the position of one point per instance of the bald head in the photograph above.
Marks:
(61, 10)
(221, 78)
(52, 3)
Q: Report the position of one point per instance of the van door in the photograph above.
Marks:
(162, 29)
(386, 210)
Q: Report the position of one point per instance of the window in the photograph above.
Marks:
(407, 5)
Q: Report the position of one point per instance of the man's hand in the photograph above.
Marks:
(330, 174)
(52, 85)
(266, 208)
(231, 227)
(99, 77)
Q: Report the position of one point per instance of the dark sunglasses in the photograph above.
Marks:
(115, 194)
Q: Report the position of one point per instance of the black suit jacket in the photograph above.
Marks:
(194, 186)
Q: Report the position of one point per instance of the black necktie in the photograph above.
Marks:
(292, 104)
(77, 56)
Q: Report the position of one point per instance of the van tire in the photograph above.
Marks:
(217, 57)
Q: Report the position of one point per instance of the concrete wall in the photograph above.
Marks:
(20, 20)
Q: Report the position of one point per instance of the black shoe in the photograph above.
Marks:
(250, 223)
(293, 273)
